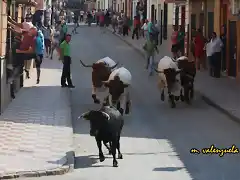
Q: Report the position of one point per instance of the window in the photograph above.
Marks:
(235, 7)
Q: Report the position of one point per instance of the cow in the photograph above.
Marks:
(168, 73)
(118, 84)
(100, 72)
(106, 125)
(187, 75)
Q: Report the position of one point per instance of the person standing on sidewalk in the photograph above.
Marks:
(114, 22)
(136, 24)
(216, 45)
(39, 49)
(65, 56)
(150, 48)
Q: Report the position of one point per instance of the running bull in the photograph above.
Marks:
(106, 125)
(101, 71)
(169, 78)
(176, 76)
(187, 75)
(118, 84)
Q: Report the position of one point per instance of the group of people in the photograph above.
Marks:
(31, 41)
(211, 49)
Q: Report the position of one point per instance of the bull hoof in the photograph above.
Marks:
(101, 158)
(121, 111)
(177, 98)
(182, 98)
(96, 101)
(115, 163)
(162, 97)
(120, 156)
(109, 152)
(173, 105)
(127, 110)
(118, 105)
(191, 94)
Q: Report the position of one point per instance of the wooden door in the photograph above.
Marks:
(232, 36)
(210, 23)
(193, 21)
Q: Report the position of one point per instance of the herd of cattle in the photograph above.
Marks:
(174, 75)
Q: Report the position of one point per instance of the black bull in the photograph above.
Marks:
(187, 74)
(106, 125)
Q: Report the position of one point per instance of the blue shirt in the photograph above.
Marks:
(39, 49)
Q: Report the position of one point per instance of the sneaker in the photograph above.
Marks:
(71, 86)
(64, 85)
(38, 81)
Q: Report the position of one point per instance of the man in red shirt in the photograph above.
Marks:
(136, 23)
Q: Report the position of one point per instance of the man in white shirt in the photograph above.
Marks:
(81, 16)
(216, 48)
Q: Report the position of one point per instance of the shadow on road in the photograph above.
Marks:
(171, 169)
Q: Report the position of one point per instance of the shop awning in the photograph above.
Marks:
(27, 2)
(174, 1)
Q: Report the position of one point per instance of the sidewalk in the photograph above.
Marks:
(36, 130)
(221, 93)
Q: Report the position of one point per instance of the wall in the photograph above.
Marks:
(5, 88)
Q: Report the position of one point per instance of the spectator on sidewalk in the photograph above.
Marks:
(47, 33)
(81, 16)
(120, 24)
(216, 46)
(114, 22)
(150, 48)
(199, 52)
(209, 54)
(145, 28)
(125, 25)
(63, 31)
(181, 39)
(66, 57)
(136, 27)
(39, 50)
(55, 41)
(174, 40)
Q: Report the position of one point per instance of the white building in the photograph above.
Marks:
(102, 4)
(154, 8)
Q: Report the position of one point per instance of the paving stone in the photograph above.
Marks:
(29, 127)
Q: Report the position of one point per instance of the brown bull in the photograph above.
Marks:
(100, 72)
(187, 76)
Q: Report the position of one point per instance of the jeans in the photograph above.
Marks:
(66, 71)
(150, 64)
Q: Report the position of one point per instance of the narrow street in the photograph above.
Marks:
(156, 139)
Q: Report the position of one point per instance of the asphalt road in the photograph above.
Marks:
(156, 139)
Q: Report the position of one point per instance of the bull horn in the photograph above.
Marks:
(158, 71)
(82, 115)
(106, 115)
(84, 65)
(105, 81)
(114, 65)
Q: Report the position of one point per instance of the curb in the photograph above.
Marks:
(65, 168)
(204, 97)
(219, 108)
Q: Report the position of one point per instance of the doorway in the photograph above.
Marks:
(152, 13)
(210, 23)
(232, 35)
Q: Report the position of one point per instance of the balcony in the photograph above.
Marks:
(26, 2)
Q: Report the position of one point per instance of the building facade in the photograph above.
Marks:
(16, 9)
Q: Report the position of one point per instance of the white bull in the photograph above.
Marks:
(101, 71)
(119, 83)
(167, 63)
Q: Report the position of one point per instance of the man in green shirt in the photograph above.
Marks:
(65, 56)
